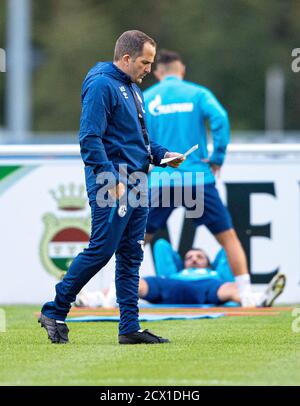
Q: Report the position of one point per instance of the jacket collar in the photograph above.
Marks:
(119, 74)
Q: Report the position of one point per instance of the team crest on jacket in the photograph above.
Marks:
(122, 210)
(68, 233)
(123, 90)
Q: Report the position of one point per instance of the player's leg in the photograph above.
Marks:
(129, 256)
(228, 292)
(173, 291)
(235, 253)
(107, 229)
(238, 264)
(219, 223)
(143, 288)
(158, 214)
(154, 289)
(218, 220)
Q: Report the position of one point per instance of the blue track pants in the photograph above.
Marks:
(111, 234)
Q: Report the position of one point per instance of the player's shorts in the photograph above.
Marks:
(171, 291)
(215, 216)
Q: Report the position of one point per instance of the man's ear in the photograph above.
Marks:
(183, 70)
(126, 59)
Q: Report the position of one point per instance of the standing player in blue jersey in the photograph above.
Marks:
(176, 115)
(112, 135)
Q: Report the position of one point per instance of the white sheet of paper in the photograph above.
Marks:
(194, 147)
(173, 158)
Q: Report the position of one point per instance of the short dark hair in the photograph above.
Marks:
(165, 57)
(131, 43)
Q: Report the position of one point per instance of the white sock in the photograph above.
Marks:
(259, 298)
(243, 284)
(245, 291)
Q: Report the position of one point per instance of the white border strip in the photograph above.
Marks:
(73, 149)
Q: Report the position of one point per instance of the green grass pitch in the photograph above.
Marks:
(227, 351)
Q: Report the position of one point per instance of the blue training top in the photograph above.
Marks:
(176, 112)
(110, 131)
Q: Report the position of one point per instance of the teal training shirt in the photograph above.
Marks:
(176, 115)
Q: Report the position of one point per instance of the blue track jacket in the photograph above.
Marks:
(110, 131)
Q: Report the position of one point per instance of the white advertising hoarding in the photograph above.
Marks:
(45, 219)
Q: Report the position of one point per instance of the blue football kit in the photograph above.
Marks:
(175, 285)
(176, 115)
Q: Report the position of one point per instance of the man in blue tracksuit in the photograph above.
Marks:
(112, 134)
(176, 115)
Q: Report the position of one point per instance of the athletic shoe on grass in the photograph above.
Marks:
(142, 337)
(57, 331)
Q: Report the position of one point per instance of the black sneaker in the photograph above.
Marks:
(142, 337)
(57, 332)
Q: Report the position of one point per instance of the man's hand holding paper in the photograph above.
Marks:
(174, 159)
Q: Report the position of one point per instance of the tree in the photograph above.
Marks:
(227, 46)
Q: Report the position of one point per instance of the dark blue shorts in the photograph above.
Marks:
(172, 291)
(215, 215)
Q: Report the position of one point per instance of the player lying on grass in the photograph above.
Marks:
(194, 281)
(159, 290)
